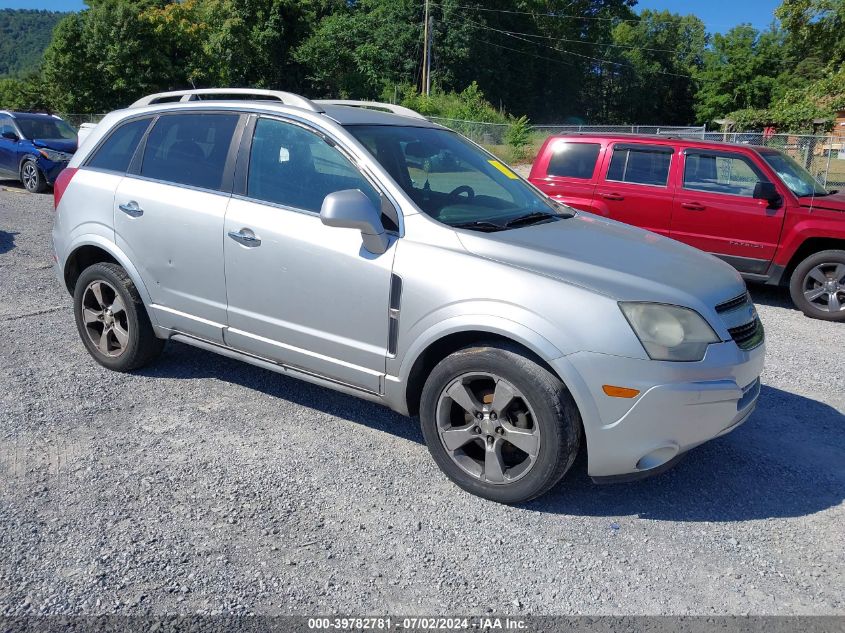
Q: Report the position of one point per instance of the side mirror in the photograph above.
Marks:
(352, 209)
(767, 191)
(10, 136)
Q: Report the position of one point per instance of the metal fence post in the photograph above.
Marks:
(827, 167)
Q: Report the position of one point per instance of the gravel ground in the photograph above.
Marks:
(202, 485)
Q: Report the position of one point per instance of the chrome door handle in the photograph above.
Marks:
(131, 208)
(245, 237)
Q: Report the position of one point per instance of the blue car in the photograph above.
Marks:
(34, 148)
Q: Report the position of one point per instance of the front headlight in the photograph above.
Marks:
(55, 156)
(669, 332)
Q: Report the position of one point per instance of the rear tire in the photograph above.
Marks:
(111, 319)
(817, 286)
(498, 424)
(32, 178)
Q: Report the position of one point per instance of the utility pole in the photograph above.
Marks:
(426, 67)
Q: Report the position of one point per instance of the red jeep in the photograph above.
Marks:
(754, 207)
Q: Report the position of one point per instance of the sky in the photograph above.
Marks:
(718, 15)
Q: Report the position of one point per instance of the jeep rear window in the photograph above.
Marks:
(573, 160)
(640, 165)
(116, 152)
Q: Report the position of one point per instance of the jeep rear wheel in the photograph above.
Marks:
(498, 424)
(817, 286)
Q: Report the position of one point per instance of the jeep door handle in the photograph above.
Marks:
(131, 209)
(693, 206)
(245, 237)
(612, 196)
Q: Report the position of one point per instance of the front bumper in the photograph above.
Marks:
(680, 405)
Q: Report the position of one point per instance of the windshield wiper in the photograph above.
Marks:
(481, 225)
(530, 218)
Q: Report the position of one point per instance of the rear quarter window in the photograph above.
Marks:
(573, 160)
(115, 153)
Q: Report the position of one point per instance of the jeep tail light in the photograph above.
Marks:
(61, 184)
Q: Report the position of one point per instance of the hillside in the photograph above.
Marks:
(24, 34)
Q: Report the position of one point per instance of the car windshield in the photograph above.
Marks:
(45, 127)
(798, 179)
(454, 181)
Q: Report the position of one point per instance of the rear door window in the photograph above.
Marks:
(189, 149)
(115, 153)
(641, 165)
(573, 160)
(731, 174)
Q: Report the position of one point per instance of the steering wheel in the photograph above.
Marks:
(457, 191)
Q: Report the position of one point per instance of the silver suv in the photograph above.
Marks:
(364, 248)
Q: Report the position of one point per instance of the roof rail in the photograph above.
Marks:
(374, 105)
(181, 96)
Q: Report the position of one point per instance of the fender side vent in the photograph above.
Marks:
(393, 313)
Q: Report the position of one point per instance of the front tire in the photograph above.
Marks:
(32, 178)
(111, 319)
(817, 286)
(498, 424)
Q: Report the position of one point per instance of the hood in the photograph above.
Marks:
(58, 144)
(833, 202)
(615, 259)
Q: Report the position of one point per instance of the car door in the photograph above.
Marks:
(8, 147)
(566, 171)
(715, 209)
(635, 187)
(299, 292)
(168, 218)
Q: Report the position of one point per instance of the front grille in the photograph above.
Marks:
(732, 304)
(748, 336)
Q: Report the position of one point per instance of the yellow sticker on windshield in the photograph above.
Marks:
(504, 169)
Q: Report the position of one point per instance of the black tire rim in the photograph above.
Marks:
(488, 428)
(105, 319)
(29, 175)
(824, 287)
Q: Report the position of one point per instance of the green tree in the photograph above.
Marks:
(105, 57)
(24, 34)
(26, 93)
(815, 30)
(740, 71)
(653, 79)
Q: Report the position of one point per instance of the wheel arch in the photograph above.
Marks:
(807, 248)
(94, 249)
(428, 355)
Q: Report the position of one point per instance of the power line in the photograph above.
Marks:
(552, 14)
(573, 53)
(563, 39)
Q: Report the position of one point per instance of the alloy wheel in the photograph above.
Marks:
(29, 175)
(105, 318)
(824, 287)
(488, 428)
